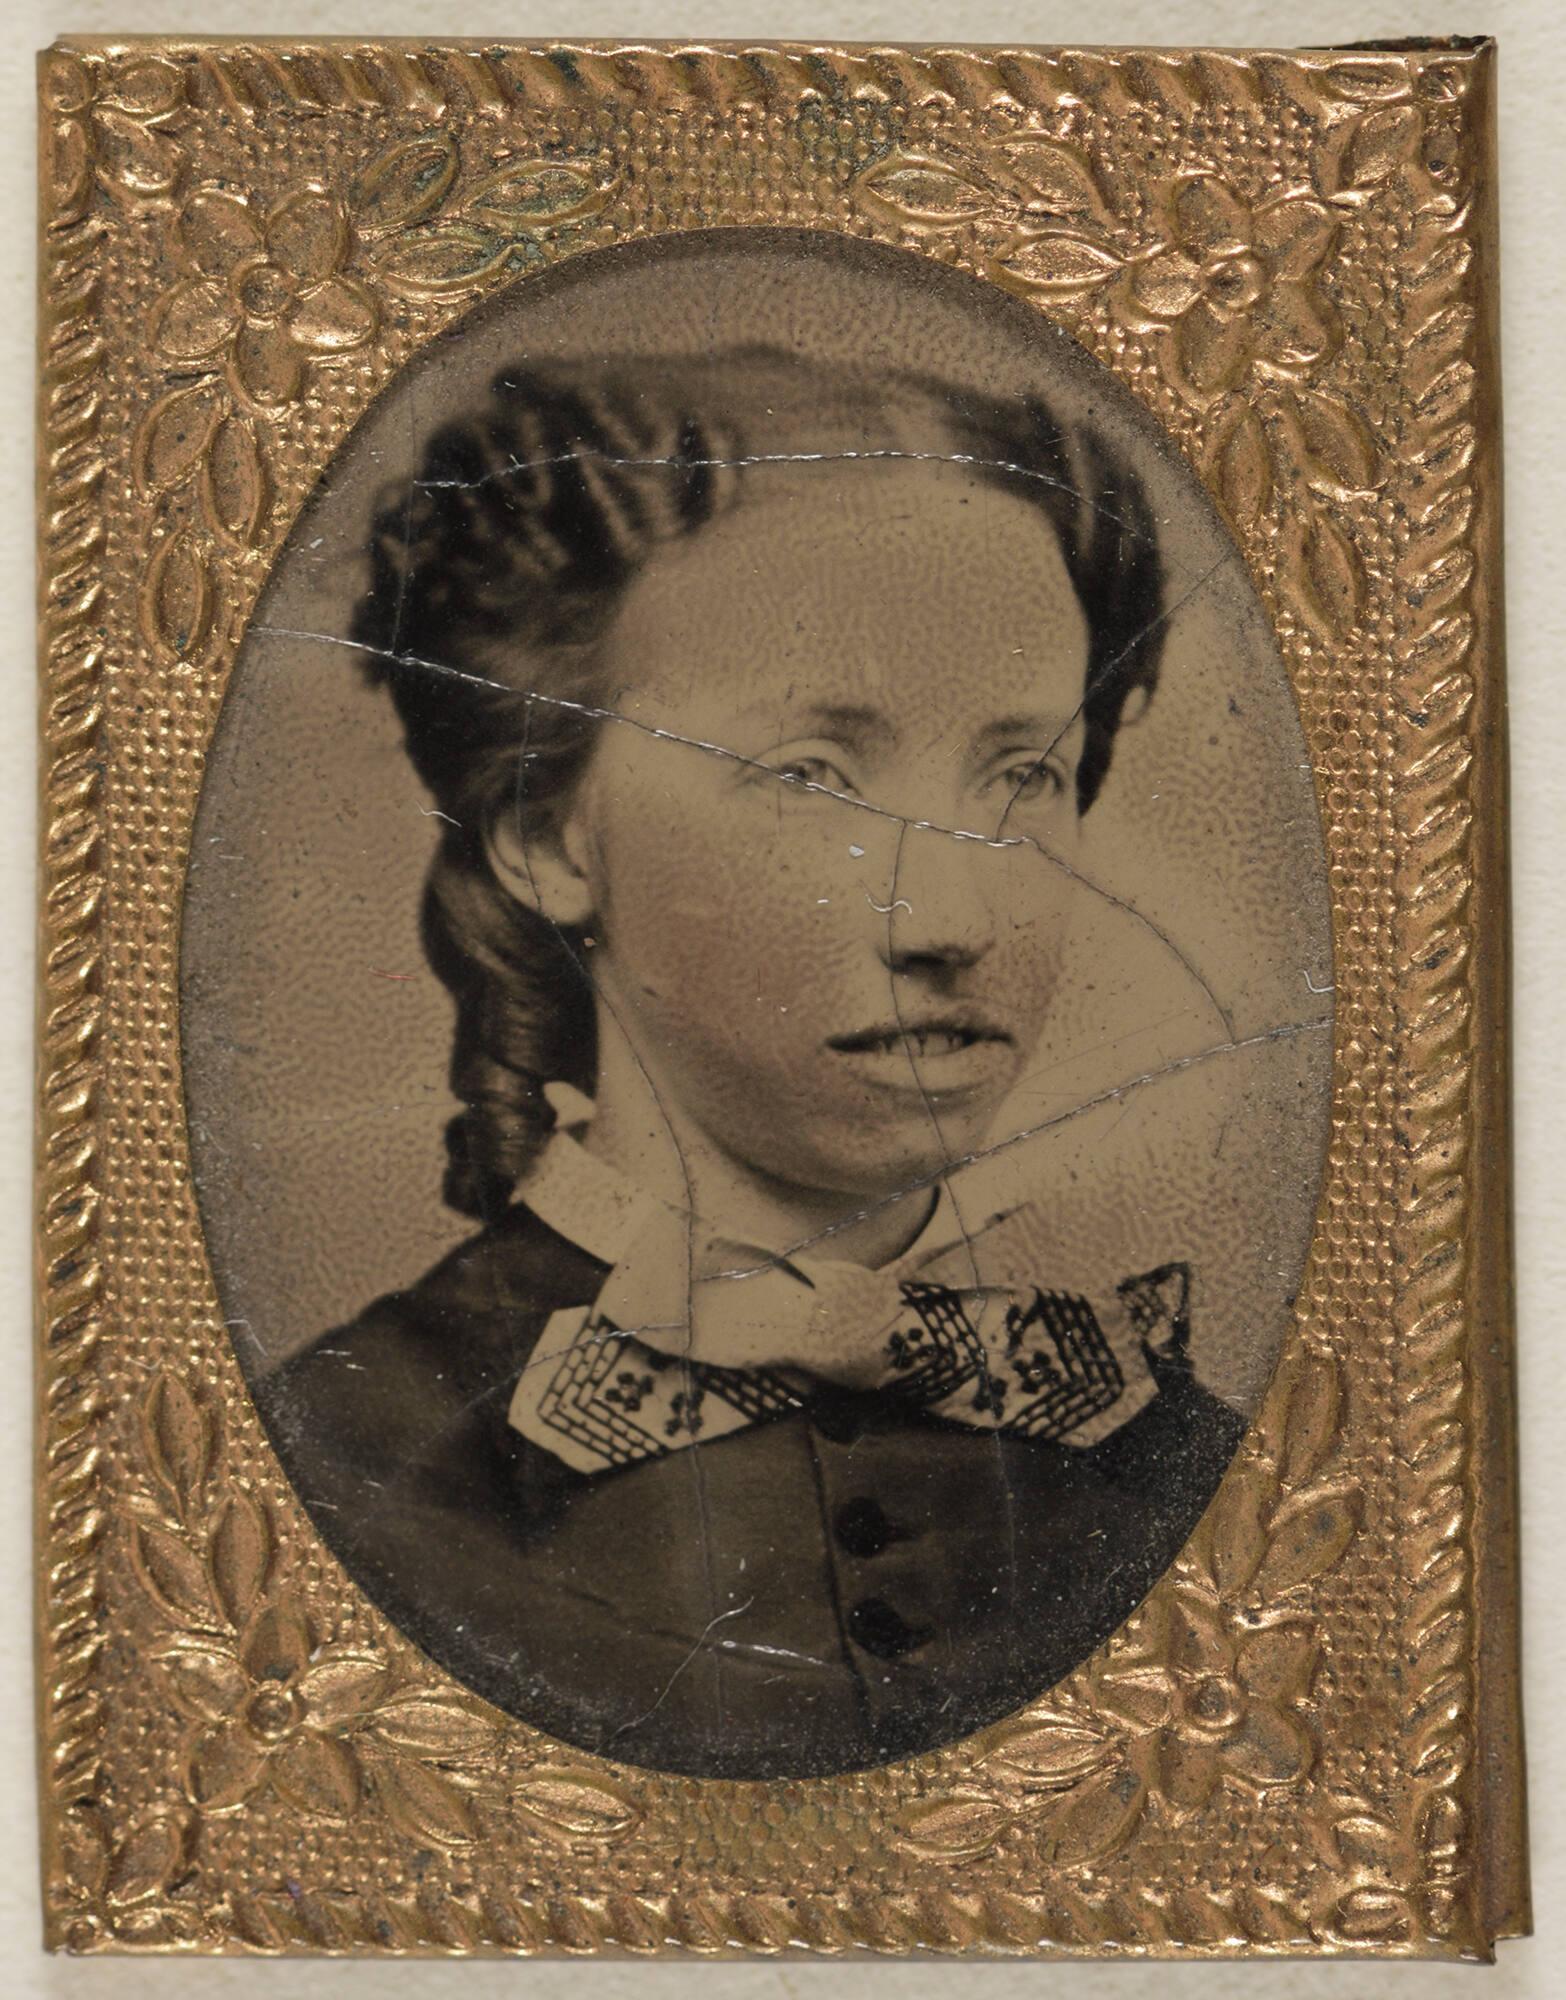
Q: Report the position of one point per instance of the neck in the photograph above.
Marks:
(641, 1130)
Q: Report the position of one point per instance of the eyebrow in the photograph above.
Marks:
(1024, 727)
(847, 719)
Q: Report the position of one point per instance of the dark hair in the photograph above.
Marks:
(496, 570)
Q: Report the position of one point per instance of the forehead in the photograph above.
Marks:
(918, 589)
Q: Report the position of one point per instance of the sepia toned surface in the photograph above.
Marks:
(317, 1083)
(1170, 1102)
(1313, 1552)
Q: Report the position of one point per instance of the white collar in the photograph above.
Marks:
(593, 1204)
(694, 1336)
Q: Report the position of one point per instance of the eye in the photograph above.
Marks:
(1032, 778)
(803, 768)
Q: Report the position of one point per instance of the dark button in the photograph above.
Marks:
(837, 1413)
(862, 1527)
(874, 1625)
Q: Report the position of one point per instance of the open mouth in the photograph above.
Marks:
(948, 1055)
(924, 1042)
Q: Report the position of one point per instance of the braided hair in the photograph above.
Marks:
(497, 570)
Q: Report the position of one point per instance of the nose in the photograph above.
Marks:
(940, 914)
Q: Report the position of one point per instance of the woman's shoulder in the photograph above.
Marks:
(395, 1373)
(1175, 1450)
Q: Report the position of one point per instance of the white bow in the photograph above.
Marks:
(695, 1334)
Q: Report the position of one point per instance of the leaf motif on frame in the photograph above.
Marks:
(1367, 79)
(1442, 1828)
(433, 1725)
(170, 1573)
(84, 1851)
(1243, 464)
(148, 87)
(1380, 140)
(535, 194)
(1336, 576)
(406, 185)
(1237, 1551)
(137, 157)
(173, 436)
(422, 1803)
(439, 261)
(1060, 264)
(234, 481)
(1310, 1416)
(1447, 396)
(1366, 1914)
(67, 163)
(176, 1432)
(1226, 1550)
(1309, 1536)
(144, 1865)
(1158, 80)
(178, 599)
(958, 1825)
(1444, 518)
(576, 1803)
(1363, 1844)
(1336, 448)
(1051, 1749)
(1444, 647)
(1438, 282)
(1056, 176)
(238, 1554)
(925, 193)
(1095, 1817)
(64, 82)
(1324, 580)
(1442, 582)
(255, 1923)
(1228, 82)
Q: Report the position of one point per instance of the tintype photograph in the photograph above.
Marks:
(773, 1149)
(757, 1005)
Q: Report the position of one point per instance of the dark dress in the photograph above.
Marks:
(852, 1582)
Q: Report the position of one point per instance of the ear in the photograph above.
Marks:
(544, 871)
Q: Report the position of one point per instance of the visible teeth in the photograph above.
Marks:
(921, 1043)
(926, 1042)
(938, 1043)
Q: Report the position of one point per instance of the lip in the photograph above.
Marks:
(927, 1053)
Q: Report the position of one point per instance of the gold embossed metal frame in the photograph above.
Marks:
(1307, 1740)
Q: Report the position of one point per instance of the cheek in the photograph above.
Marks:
(736, 907)
(1035, 904)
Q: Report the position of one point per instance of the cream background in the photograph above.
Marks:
(1533, 75)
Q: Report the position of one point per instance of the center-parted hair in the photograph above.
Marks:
(497, 570)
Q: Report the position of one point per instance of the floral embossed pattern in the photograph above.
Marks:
(270, 1709)
(1235, 285)
(266, 293)
(114, 130)
(1281, 257)
(272, 1713)
(1221, 1699)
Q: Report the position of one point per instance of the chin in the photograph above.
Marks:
(884, 1171)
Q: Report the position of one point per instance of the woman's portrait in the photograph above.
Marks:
(757, 1004)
